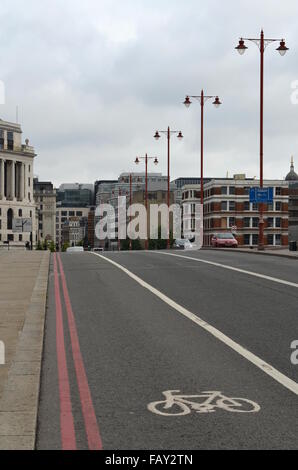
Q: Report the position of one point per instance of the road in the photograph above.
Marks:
(122, 328)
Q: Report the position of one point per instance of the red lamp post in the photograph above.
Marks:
(168, 133)
(137, 161)
(202, 99)
(262, 43)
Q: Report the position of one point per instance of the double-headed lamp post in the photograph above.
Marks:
(168, 133)
(262, 43)
(202, 99)
(155, 161)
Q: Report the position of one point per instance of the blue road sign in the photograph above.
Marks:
(261, 195)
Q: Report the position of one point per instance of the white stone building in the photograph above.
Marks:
(16, 185)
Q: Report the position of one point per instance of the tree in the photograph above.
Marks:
(52, 247)
(65, 246)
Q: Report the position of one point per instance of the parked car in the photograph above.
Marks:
(98, 248)
(74, 249)
(224, 239)
(182, 244)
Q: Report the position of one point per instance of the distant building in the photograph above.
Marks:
(16, 186)
(227, 208)
(179, 183)
(45, 199)
(63, 214)
(292, 180)
(75, 195)
(72, 231)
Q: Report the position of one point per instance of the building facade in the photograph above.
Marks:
(227, 208)
(16, 186)
(292, 180)
(63, 214)
(45, 199)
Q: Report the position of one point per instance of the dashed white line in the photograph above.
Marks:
(257, 361)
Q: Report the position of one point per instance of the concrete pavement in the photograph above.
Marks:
(23, 290)
(135, 347)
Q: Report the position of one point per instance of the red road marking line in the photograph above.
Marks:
(68, 437)
(91, 426)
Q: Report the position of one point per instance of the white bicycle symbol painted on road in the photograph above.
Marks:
(205, 402)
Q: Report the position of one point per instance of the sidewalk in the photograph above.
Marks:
(282, 252)
(23, 291)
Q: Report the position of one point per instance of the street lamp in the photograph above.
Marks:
(202, 98)
(168, 133)
(155, 161)
(262, 43)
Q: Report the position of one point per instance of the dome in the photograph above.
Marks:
(292, 176)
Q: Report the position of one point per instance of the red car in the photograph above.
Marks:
(224, 239)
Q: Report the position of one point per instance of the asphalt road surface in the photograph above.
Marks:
(212, 329)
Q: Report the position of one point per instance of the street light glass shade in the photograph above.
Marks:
(155, 161)
(187, 102)
(137, 160)
(282, 49)
(241, 48)
(156, 135)
(180, 136)
(216, 102)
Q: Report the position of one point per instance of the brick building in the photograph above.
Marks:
(227, 208)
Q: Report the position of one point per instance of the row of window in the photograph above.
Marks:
(252, 239)
(247, 206)
(224, 190)
(11, 237)
(69, 213)
(9, 140)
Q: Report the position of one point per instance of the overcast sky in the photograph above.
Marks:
(94, 79)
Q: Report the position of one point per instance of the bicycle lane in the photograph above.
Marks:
(134, 348)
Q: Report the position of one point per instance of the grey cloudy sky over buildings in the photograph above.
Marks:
(93, 81)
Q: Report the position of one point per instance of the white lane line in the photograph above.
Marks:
(232, 268)
(257, 361)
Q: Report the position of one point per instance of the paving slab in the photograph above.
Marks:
(23, 294)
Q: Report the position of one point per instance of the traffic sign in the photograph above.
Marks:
(261, 195)
(20, 225)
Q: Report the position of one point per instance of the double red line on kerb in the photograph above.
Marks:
(66, 417)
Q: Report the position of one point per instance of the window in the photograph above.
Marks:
(10, 237)
(20, 237)
(278, 206)
(224, 190)
(71, 213)
(255, 222)
(79, 213)
(223, 205)
(41, 207)
(29, 182)
(232, 190)
(40, 226)
(246, 190)
(254, 206)
(270, 206)
(232, 205)
(278, 222)
(232, 221)
(20, 212)
(10, 140)
(255, 239)
(9, 219)
(1, 140)
(246, 222)
(246, 205)
(277, 191)
(64, 213)
(246, 239)
(270, 222)
(278, 239)
(270, 239)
